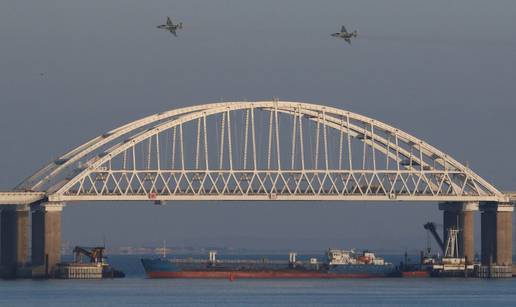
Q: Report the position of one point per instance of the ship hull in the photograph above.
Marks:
(162, 268)
(257, 275)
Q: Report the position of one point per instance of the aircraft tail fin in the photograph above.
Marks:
(355, 33)
(180, 26)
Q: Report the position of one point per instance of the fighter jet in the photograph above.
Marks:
(170, 26)
(345, 34)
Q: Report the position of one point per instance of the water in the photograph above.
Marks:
(137, 290)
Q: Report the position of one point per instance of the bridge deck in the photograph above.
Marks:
(512, 196)
(25, 198)
(20, 198)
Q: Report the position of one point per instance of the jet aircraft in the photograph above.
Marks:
(345, 34)
(170, 26)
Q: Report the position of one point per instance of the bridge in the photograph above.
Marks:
(238, 151)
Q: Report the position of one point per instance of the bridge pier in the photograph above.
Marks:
(14, 221)
(460, 215)
(46, 238)
(496, 222)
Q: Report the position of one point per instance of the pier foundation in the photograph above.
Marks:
(14, 221)
(460, 215)
(46, 238)
(496, 235)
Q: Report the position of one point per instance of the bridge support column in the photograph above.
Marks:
(497, 234)
(460, 215)
(14, 222)
(46, 238)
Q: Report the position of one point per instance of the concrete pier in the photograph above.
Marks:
(460, 215)
(14, 221)
(497, 234)
(46, 238)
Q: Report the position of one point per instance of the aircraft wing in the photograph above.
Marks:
(348, 40)
(169, 22)
(173, 32)
(343, 29)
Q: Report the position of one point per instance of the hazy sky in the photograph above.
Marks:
(444, 71)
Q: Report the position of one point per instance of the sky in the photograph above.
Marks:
(443, 71)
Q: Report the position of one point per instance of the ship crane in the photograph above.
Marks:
(430, 226)
(96, 254)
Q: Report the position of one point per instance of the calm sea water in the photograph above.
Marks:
(137, 290)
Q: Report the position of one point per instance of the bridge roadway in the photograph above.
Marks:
(264, 150)
(20, 198)
(26, 198)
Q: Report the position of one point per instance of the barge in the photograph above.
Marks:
(95, 268)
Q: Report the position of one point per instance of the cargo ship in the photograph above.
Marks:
(338, 264)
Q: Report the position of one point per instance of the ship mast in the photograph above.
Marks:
(452, 244)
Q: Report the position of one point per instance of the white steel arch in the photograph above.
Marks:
(308, 152)
(45, 174)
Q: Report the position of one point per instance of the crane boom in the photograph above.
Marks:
(94, 253)
(431, 228)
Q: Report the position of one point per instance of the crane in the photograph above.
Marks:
(96, 254)
(96, 257)
(430, 226)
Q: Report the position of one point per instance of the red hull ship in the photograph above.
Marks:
(255, 275)
(339, 264)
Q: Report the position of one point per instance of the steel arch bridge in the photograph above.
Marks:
(264, 150)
